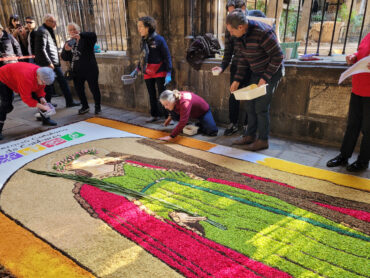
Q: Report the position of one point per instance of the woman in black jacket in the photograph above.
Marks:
(155, 63)
(9, 47)
(79, 51)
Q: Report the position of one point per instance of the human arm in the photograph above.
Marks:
(270, 44)
(66, 54)
(42, 57)
(185, 109)
(16, 47)
(166, 56)
(228, 52)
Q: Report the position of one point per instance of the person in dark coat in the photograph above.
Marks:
(31, 33)
(47, 55)
(19, 32)
(9, 47)
(234, 105)
(155, 63)
(79, 51)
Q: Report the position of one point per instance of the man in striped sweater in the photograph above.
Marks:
(257, 49)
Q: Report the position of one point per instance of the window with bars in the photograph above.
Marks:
(107, 18)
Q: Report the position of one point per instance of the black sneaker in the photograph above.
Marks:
(358, 166)
(231, 129)
(97, 110)
(83, 110)
(48, 121)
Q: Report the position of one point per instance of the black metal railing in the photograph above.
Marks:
(330, 27)
(107, 18)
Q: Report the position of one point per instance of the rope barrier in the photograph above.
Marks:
(16, 58)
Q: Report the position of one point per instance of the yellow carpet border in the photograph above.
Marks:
(35, 258)
(275, 163)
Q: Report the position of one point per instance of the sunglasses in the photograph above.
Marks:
(30, 22)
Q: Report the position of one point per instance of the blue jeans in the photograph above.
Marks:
(207, 124)
(49, 90)
(258, 108)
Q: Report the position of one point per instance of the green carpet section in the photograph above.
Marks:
(264, 228)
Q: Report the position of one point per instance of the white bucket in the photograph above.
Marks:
(247, 93)
(190, 130)
(127, 79)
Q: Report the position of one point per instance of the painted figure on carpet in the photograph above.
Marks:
(262, 227)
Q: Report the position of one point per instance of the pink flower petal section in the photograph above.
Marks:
(183, 250)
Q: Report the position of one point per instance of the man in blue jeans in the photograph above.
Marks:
(257, 49)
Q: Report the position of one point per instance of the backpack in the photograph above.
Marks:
(202, 47)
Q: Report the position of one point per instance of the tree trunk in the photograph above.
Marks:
(271, 7)
(303, 23)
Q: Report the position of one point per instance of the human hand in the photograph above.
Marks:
(261, 82)
(165, 138)
(134, 73)
(43, 100)
(216, 70)
(76, 36)
(167, 121)
(43, 107)
(167, 79)
(234, 86)
(351, 59)
(67, 47)
(51, 66)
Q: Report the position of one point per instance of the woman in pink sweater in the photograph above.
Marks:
(183, 106)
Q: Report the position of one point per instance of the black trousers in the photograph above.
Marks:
(358, 120)
(92, 81)
(50, 91)
(234, 105)
(6, 100)
(156, 108)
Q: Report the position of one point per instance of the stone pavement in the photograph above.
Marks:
(21, 122)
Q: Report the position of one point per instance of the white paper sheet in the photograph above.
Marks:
(359, 67)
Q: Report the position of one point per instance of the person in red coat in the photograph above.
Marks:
(27, 80)
(358, 116)
(183, 106)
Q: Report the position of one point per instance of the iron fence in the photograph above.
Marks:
(321, 27)
(107, 18)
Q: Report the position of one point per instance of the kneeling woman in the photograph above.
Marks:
(183, 106)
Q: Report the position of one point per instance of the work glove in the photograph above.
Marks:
(167, 79)
(134, 73)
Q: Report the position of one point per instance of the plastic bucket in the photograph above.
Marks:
(127, 79)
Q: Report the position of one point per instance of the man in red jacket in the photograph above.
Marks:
(358, 116)
(28, 80)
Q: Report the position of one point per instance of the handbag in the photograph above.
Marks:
(68, 75)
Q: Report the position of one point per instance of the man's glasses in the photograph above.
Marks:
(30, 22)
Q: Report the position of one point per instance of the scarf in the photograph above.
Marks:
(144, 47)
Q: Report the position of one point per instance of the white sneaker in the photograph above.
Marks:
(38, 116)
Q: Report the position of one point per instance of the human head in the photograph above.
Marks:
(240, 4)
(230, 6)
(50, 21)
(146, 26)
(13, 20)
(30, 22)
(73, 29)
(237, 23)
(45, 76)
(168, 99)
